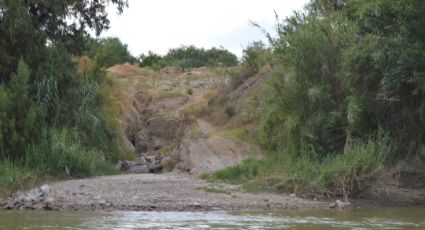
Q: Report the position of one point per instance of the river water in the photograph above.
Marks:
(382, 218)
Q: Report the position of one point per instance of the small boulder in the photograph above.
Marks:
(342, 204)
(183, 167)
(338, 204)
(168, 163)
(44, 188)
(137, 169)
(49, 203)
(28, 205)
(156, 168)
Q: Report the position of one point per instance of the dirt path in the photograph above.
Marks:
(205, 127)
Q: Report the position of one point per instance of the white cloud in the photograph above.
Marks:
(163, 24)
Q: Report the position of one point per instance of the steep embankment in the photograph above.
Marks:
(161, 129)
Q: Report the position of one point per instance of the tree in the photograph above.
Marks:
(150, 60)
(346, 70)
(220, 57)
(39, 83)
(28, 26)
(111, 51)
(19, 127)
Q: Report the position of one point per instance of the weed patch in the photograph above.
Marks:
(341, 175)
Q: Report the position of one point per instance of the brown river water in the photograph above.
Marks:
(374, 218)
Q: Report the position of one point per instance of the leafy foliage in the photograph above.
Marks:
(46, 22)
(190, 57)
(19, 114)
(52, 116)
(255, 55)
(344, 71)
(108, 51)
(346, 98)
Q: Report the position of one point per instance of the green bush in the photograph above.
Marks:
(14, 176)
(108, 51)
(19, 124)
(344, 71)
(345, 175)
(189, 57)
(255, 55)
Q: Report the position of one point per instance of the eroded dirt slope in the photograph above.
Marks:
(157, 131)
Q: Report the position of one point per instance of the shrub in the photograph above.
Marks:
(230, 111)
(190, 57)
(108, 51)
(255, 55)
(345, 175)
(19, 127)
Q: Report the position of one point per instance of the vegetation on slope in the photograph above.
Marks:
(345, 97)
(190, 57)
(56, 119)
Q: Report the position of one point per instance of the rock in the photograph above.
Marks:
(49, 201)
(168, 163)
(139, 169)
(342, 205)
(8, 204)
(339, 205)
(183, 167)
(151, 159)
(127, 165)
(142, 161)
(44, 188)
(155, 168)
(196, 205)
(28, 205)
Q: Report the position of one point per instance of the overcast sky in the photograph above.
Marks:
(163, 24)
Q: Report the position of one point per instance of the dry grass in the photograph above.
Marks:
(209, 94)
(127, 69)
(240, 134)
(161, 95)
(195, 108)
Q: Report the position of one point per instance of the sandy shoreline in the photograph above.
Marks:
(153, 192)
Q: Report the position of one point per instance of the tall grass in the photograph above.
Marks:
(62, 154)
(14, 176)
(342, 175)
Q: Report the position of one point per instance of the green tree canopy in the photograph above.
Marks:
(190, 57)
(348, 69)
(27, 27)
(108, 51)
